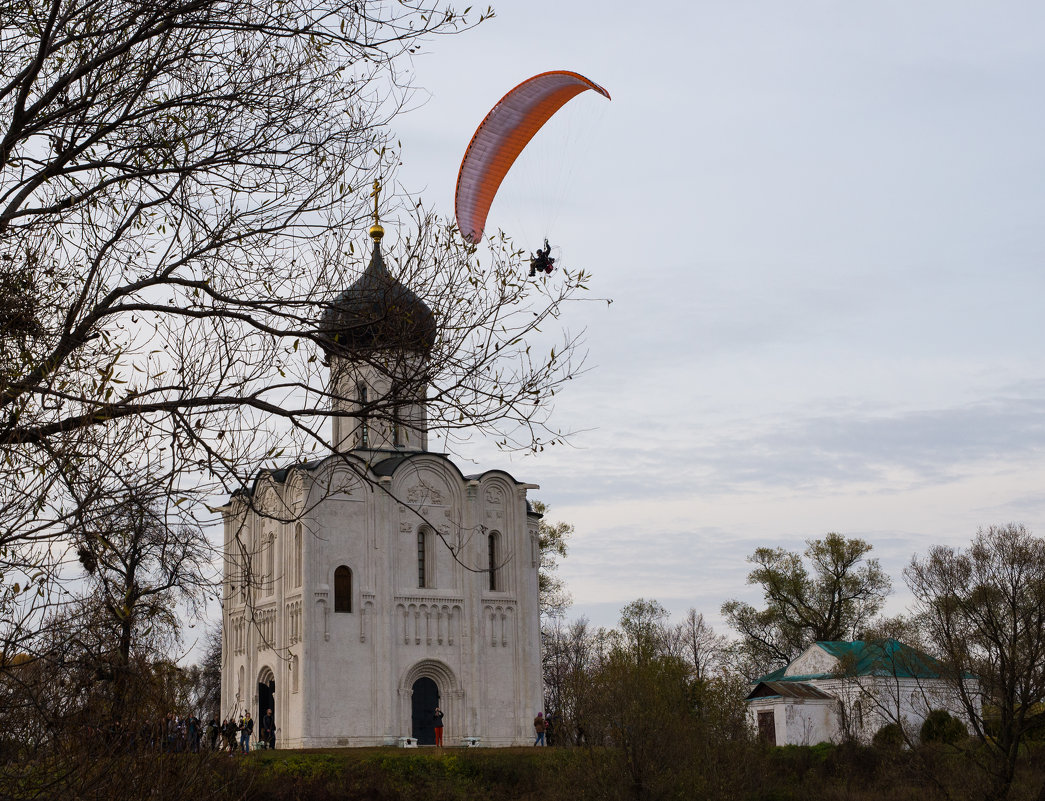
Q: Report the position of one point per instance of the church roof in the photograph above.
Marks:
(377, 313)
(379, 468)
(867, 658)
(788, 689)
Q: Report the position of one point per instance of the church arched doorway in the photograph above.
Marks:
(424, 700)
(266, 701)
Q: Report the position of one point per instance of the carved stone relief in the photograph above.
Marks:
(423, 493)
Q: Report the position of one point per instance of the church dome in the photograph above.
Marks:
(378, 313)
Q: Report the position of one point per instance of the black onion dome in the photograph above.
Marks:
(378, 313)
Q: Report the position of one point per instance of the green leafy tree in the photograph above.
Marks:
(645, 633)
(643, 703)
(830, 594)
(669, 734)
(552, 541)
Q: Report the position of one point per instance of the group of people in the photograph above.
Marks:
(173, 734)
(236, 733)
(181, 734)
(542, 725)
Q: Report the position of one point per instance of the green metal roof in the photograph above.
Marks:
(870, 658)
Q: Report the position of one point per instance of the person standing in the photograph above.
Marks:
(193, 732)
(228, 731)
(437, 723)
(539, 726)
(268, 729)
(246, 729)
(213, 730)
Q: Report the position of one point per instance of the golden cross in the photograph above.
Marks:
(376, 194)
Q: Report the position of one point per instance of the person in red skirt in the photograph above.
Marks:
(437, 722)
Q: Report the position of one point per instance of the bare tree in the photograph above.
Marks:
(571, 655)
(183, 188)
(180, 186)
(206, 675)
(140, 571)
(703, 649)
(983, 609)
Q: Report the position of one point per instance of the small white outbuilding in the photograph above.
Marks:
(837, 691)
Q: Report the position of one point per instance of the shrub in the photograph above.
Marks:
(942, 727)
(889, 737)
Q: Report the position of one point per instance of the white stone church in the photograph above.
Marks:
(363, 590)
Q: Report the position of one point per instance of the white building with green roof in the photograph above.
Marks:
(836, 691)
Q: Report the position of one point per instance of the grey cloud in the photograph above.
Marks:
(798, 452)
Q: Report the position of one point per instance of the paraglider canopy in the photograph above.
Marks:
(501, 137)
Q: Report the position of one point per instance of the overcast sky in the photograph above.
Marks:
(820, 224)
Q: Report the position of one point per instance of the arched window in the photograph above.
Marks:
(491, 547)
(342, 589)
(268, 580)
(364, 425)
(297, 555)
(422, 558)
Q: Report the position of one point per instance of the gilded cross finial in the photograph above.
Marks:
(376, 231)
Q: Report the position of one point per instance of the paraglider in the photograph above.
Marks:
(542, 262)
(499, 140)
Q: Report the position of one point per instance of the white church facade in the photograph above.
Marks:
(363, 590)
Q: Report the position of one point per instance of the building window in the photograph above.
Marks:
(422, 558)
(297, 555)
(269, 579)
(295, 670)
(364, 425)
(491, 547)
(342, 589)
(397, 429)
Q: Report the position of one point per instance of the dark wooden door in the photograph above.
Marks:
(767, 727)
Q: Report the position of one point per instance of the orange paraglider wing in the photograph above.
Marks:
(501, 137)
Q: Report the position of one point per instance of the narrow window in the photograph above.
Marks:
(397, 429)
(492, 548)
(295, 670)
(297, 555)
(270, 551)
(342, 589)
(421, 559)
(364, 425)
